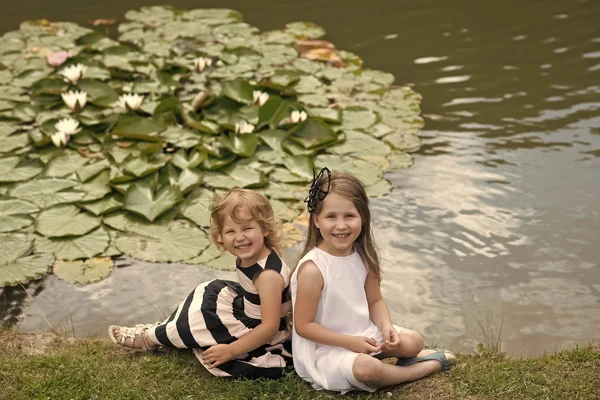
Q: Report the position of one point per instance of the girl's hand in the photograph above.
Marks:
(217, 355)
(362, 344)
(391, 340)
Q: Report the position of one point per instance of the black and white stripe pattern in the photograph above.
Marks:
(220, 312)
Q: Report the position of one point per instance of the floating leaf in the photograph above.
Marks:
(400, 160)
(99, 93)
(379, 189)
(142, 166)
(224, 262)
(182, 160)
(243, 145)
(358, 118)
(273, 111)
(15, 214)
(238, 90)
(65, 220)
(14, 169)
(306, 30)
(65, 164)
(197, 209)
(83, 272)
(210, 253)
(312, 133)
(105, 205)
(181, 137)
(73, 248)
(48, 192)
(9, 143)
(403, 142)
(178, 242)
(300, 165)
(249, 177)
(139, 128)
(141, 199)
(91, 170)
(97, 187)
(15, 265)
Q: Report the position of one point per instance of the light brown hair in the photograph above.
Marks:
(234, 203)
(347, 185)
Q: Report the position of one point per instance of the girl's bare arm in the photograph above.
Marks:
(378, 310)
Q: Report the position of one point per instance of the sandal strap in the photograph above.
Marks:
(133, 333)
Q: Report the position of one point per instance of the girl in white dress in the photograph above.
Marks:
(341, 325)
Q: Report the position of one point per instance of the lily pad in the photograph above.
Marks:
(16, 266)
(143, 200)
(238, 90)
(403, 142)
(105, 205)
(306, 30)
(16, 214)
(224, 262)
(83, 272)
(243, 145)
(97, 187)
(312, 133)
(73, 248)
(179, 241)
(358, 118)
(65, 220)
(10, 143)
(91, 170)
(197, 209)
(48, 192)
(139, 128)
(65, 164)
(16, 169)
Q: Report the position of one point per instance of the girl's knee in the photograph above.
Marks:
(411, 342)
(367, 368)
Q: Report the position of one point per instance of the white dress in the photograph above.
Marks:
(342, 308)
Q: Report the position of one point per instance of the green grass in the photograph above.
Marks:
(44, 366)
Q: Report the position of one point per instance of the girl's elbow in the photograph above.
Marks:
(300, 330)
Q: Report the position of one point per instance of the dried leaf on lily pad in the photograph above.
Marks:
(83, 272)
(15, 214)
(74, 247)
(16, 266)
(179, 241)
(291, 235)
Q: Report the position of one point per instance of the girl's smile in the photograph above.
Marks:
(340, 224)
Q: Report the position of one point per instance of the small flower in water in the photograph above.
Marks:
(58, 58)
(130, 101)
(74, 100)
(244, 127)
(259, 97)
(298, 116)
(201, 63)
(74, 73)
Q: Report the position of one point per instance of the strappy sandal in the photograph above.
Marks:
(132, 333)
(445, 357)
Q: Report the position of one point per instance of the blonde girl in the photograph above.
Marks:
(341, 325)
(235, 329)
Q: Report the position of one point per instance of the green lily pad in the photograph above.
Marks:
(65, 164)
(358, 118)
(181, 137)
(91, 170)
(189, 179)
(16, 169)
(300, 165)
(400, 160)
(361, 169)
(285, 176)
(328, 114)
(142, 166)
(15, 214)
(274, 138)
(13, 142)
(16, 266)
(197, 208)
(243, 145)
(306, 30)
(139, 128)
(273, 111)
(210, 253)
(224, 262)
(358, 144)
(104, 205)
(238, 90)
(179, 241)
(83, 272)
(65, 220)
(403, 142)
(283, 212)
(48, 192)
(99, 93)
(141, 199)
(97, 187)
(182, 160)
(312, 133)
(249, 177)
(379, 189)
(74, 247)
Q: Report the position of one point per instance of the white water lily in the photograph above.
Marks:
(201, 63)
(244, 127)
(298, 116)
(59, 139)
(259, 97)
(64, 129)
(74, 100)
(73, 73)
(130, 101)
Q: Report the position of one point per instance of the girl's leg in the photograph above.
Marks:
(411, 344)
(377, 374)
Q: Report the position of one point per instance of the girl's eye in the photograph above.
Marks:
(349, 216)
(247, 228)
(330, 216)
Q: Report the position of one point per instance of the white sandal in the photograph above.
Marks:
(132, 333)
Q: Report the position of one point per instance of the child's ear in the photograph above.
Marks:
(315, 219)
(266, 233)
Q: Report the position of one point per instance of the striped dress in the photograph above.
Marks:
(221, 312)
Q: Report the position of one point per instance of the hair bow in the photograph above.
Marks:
(316, 192)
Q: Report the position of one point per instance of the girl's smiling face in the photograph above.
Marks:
(340, 225)
(245, 240)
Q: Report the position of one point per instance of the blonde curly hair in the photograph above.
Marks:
(234, 203)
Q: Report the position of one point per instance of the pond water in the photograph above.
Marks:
(493, 232)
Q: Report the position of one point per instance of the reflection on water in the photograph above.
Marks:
(498, 218)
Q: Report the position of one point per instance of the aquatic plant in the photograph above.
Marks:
(117, 146)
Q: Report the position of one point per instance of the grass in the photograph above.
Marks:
(54, 367)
